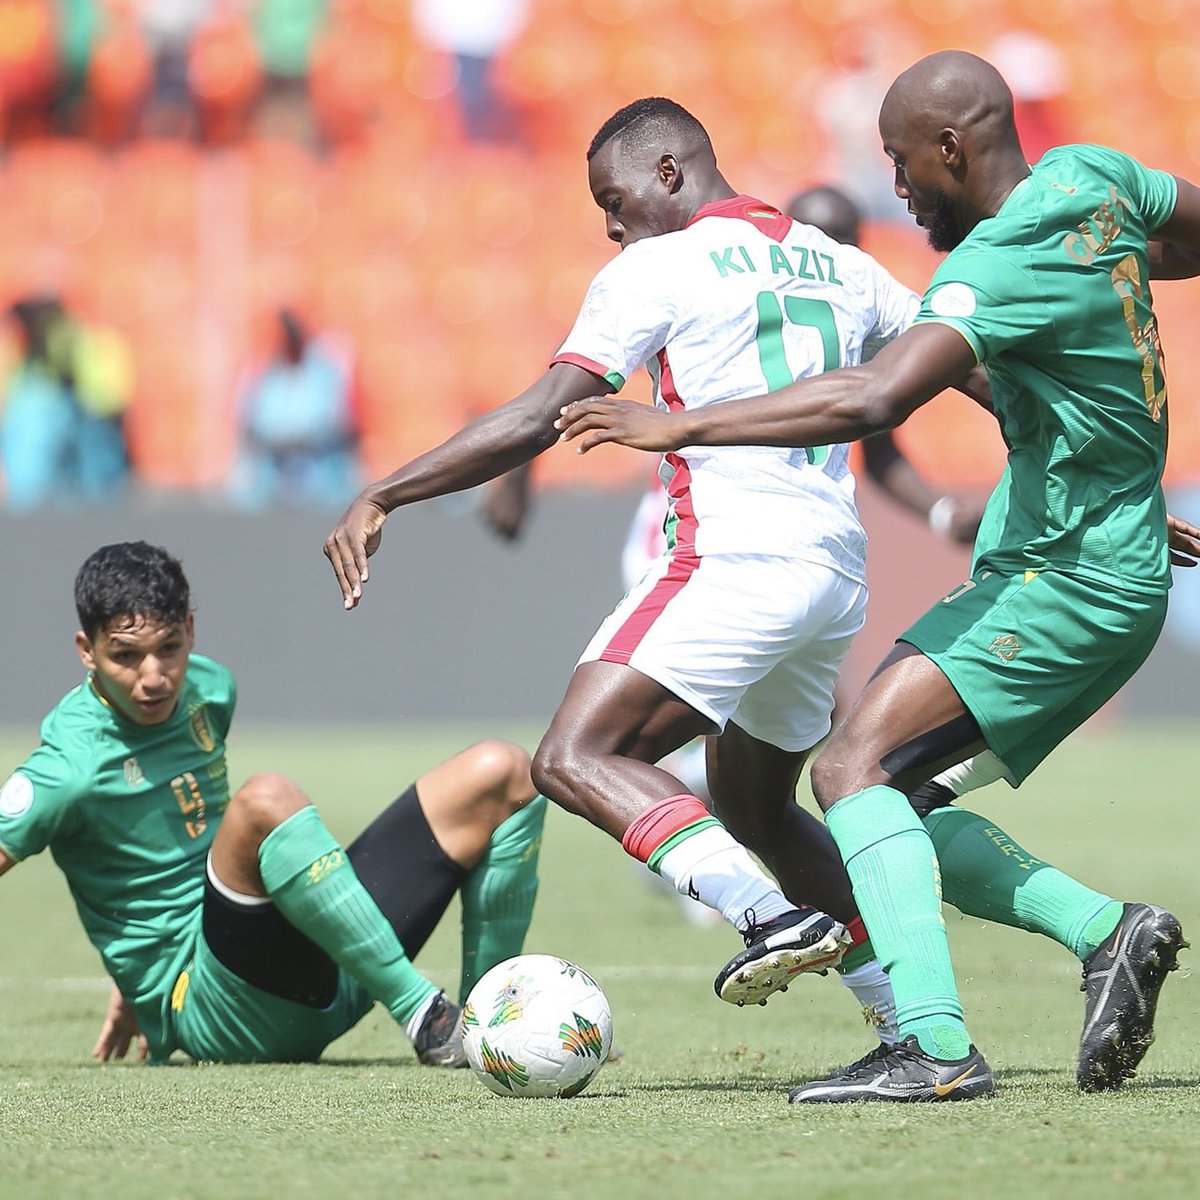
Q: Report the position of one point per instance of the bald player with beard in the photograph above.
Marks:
(1046, 285)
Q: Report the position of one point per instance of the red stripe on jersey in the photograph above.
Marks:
(683, 556)
(578, 360)
(767, 219)
(627, 639)
(679, 490)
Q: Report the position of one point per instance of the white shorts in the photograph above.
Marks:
(747, 638)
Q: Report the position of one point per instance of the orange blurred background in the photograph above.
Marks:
(455, 267)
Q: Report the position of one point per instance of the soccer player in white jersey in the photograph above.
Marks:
(740, 630)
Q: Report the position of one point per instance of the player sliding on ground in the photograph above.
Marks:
(1047, 284)
(237, 929)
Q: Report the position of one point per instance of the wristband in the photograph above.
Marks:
(941, 515)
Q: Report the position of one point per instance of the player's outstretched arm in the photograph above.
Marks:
(6, 863)
(119, 1031)
(489, 446)
(839, 406)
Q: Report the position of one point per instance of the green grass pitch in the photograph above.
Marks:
(697, 1107)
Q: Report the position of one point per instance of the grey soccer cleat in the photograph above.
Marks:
(439, 1041)
(1122, 979)
(901, 1074)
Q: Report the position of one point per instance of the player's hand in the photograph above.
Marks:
(1183, 540)
(119, 1031)
(964, 521)
(353, 540)
(625, 422)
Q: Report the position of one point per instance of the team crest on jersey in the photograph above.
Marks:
(1005, 647)
(134, 776)
(16, 796)
(201, 733)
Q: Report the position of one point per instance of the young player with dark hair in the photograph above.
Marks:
(237, 928)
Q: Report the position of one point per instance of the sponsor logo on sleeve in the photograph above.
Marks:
(952, 300)
(16, 796)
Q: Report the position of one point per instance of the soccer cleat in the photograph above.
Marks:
(901, 1074)
(439, 1041)
(779, 950)
(1122, 979)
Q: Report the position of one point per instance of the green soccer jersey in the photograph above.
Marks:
(129, 813)
(1053, 295)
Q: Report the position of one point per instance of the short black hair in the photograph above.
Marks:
(653, 112)
(130, 579)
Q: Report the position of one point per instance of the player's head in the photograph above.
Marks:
(948, 111)
(650, 166)
(135, 628)
(830, 210)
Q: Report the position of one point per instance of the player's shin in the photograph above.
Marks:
(311, 881)
(986, 874)
(498, 895)
(685, 844)
(893, 868)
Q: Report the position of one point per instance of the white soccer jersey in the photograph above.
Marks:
(742, 301)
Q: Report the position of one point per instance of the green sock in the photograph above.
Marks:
(893, 868)
(986, 874)
(497, 896)
(312, 882)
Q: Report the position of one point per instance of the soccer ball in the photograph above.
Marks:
(536, 1025)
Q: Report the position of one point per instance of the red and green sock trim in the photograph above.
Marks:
(662, 827)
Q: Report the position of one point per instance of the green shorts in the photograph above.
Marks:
(219, 1017)
(1033, 656)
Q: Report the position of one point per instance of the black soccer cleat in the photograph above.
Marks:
(1122, 979)
(439, 1041)
(779, 950)
(902, 1074)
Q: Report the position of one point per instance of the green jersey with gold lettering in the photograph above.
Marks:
(129, 812)
(1053, 295)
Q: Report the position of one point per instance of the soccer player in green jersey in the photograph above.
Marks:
(236, 928)
(1048, 285)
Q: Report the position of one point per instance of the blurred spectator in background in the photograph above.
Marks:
(223, 74)
(103, 377)
(285, 32)
(118, 75)
(298, 425)
(169, 26)
(1035, 71)
(474, 32)
(62, 424)
(38, 421)
(28, 67)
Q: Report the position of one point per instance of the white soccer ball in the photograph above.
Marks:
(536, 1025)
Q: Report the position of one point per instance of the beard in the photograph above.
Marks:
(942, 228)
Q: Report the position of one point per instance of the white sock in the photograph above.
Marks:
(873, 990)
(711, 867)
(413, 1025)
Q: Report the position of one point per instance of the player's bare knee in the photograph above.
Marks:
(265, 800)
(555, 772)
(832, 778)
(501, 773)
